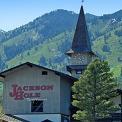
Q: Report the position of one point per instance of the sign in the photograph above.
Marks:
(24, 92)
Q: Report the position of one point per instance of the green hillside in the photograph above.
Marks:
(2, 34)
(45, 40)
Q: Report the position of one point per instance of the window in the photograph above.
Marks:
(36, 106)
(79, 72)
(44, 73)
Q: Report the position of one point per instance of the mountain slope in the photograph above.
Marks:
(2, 34)
(45, 40)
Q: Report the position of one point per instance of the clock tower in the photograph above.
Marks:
(80, 53)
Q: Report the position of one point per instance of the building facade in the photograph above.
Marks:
(32, 89)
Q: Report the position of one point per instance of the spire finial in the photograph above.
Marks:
(82, 2)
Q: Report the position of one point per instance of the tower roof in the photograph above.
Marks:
(81, 41)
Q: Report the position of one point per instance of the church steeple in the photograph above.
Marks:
(80, 53)
(81, 41)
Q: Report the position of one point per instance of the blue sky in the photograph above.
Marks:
(14, 13)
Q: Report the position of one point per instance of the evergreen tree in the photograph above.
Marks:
(93, 92)
(120, 80)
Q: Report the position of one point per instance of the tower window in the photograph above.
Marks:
(44, 73)
(36, 106)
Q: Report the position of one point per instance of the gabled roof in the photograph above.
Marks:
(81, 41)
(3, 74)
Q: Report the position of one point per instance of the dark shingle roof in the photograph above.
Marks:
(81, 41)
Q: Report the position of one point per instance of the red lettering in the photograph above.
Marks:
(31, 88)
(19, 96)
(19, 89)
(19, 93)
(26, 95)
(13, 93)
(43, 87)
(25, 88)
(37, 88)
(31, 95)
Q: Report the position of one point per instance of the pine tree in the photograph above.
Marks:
(93, 92)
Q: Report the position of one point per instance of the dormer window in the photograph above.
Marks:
(44, 73)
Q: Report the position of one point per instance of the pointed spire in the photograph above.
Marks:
(81, 41)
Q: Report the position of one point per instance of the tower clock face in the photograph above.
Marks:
(82, 59)
(79, 59)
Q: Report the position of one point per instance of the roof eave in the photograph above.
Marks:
(3, 74)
